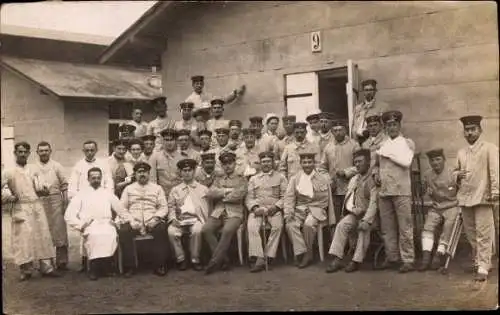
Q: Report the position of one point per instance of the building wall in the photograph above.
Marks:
(35, 115)
(434, 61)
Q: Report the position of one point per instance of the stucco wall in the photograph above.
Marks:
(434, 61)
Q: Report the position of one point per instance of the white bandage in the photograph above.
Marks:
(441, 248)
(427, 241)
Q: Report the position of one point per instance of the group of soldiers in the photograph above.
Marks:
(208, 177)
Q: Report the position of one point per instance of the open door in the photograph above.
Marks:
(301, 94)
(352, 90)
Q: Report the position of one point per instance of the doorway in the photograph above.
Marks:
(332, 92)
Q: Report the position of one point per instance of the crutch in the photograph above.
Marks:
(263, 227)
(455, 237)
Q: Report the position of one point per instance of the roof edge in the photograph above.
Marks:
(124, 37)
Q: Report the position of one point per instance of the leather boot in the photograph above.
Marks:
(426, 260)
(437, 261)
(335, 265)
(92, 270)
(306, 260)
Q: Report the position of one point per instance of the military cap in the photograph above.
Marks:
(160, 99)
(392, 115)
(222, 131)
(256, 119)
(271, 116)
(200, 111)
(326, 115)
(299, 125)
(204, 132)
(307, 155)
(227, 157)
(362, 152)
(291, 118)
(186, 105)
(471, 120)
(434, 153)
(268, 154)
(313, 116)
(183, 132)
(186, 163)
(142, 165)
(148, 138)
(236, 123)
(369, 82)
(217, 100)
(339, 122)
(168, 133)
(135, 141)
(197, 78)
(126, 128)
(118, 142)
(248, 131)
(373, 118)
(207, 156)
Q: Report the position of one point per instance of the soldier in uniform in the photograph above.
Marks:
(135, 151)
(184, 145)
(262, 143)
(359, 213)
(206, 172)
(164, 163)
(314, 126)
(141, 127)
(222, 139)
(441, 187)
(307, 197)
(370, 106)
(290, 161)
(325, 132)
(201, 115)
(187, 122)
(476, 174)
(217, 111)
(161, 122)
(228, 194)
(264, 201)
(199, 98)
(188, 211)
(288, 138)
(121, 170)
(235, 140)
(392, 173)
(337, 161)
(149, 145)
(376, 135)
(205, 137)
(247, 156)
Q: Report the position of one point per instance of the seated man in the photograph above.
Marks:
(147, 208)
(90, 213)
(307, 197)
(264, 200)
(442, 189)
(360, 209)
(227, 193)
(188, 211)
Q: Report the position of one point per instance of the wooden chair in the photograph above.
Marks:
(120, 254)
(320, 239)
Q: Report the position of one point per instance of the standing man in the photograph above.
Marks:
(161, 122)
(235, 140)
(314, 126)
(31, 238)
(184, 145)
(337, 161)
(147, 209)
(199, 98)
(247, 157)
(217, 120)
(370, 106)
(164, 163)
(222, 139)
(135, 151)
(149, 145)
(121, 169)
(359, 212)
(307, 197)
(476, 174)
(441, 187)
(207, 172)
(187, 122)
(188, 211)
(290, 160)
(141, 127)
(51, 173)
(272, 124)
(376, 135)
(392, 174)
(90, 213)
(288, 122)
(205, 137)
(264, 201)
(227, 194)
(325, 131)
(262, 143)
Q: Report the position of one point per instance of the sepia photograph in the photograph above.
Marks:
(249, 156)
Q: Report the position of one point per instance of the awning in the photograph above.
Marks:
(85, 81)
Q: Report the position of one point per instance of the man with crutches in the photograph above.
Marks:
(264, 201)
(442, 190)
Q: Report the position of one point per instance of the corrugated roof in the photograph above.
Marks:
(85, 81)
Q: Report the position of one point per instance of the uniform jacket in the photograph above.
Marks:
(290, 160)
(266, 190)
(143, 202)
(164, 169)
(229, 200)
(364, 194)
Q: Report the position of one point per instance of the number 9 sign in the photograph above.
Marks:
(315, 42)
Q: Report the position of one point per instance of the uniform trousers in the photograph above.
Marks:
(302, 241)
(396, 223)
(160, 244)
(195, 240)
(478, 225)
(229, 228)
(346, 229)
(432, 221)
(254, 226)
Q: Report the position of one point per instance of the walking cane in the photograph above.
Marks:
(263, 226)
(455, 237)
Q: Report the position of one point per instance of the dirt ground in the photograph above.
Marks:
(284, 288)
